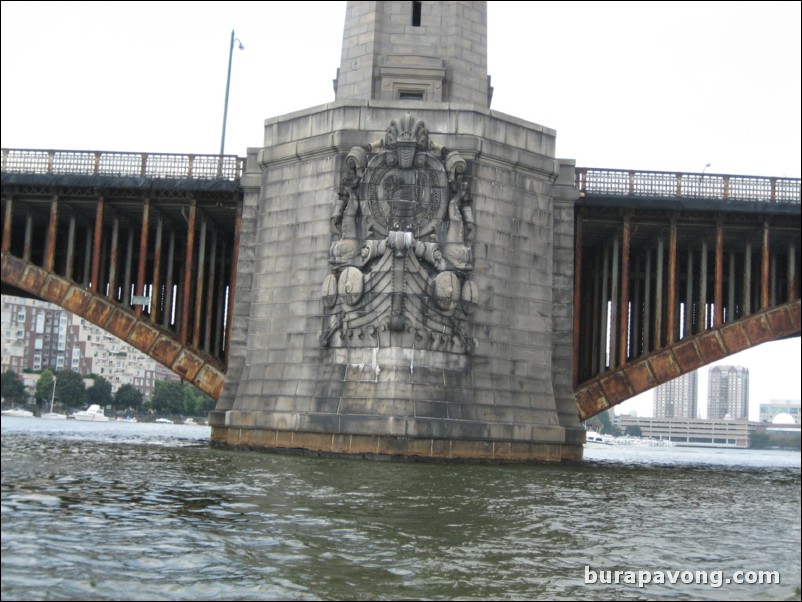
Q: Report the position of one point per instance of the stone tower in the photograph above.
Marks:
(405, 269)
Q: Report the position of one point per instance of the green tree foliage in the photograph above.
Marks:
(634, 431)
(44, 389)
(196, 402)
(759, 441)
(99, 392)
(172, 398)
(13, 387)
(168, 398)
(604, 423)
(70, 389)
(128, 397)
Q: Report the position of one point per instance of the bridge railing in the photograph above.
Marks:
(667, 184)
(122, 164)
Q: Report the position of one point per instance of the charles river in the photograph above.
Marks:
(121, 511)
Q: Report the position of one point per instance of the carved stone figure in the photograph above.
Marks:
(402, 247)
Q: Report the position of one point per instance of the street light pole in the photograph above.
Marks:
(228, 85)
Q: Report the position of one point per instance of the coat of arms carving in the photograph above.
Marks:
(401, 255)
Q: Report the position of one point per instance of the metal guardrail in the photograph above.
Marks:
(666, 184)
(122, 164)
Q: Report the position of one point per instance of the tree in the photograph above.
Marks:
(168, 397)
(44, 389)
(634, 431)
(128, 397)
(70, 389)
(13, 387)
(196, 402)
(99, 392)
(606, 424)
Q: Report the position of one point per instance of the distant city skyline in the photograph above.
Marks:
(774, 375)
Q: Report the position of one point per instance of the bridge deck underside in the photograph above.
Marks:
(656, 279)
(152, 261)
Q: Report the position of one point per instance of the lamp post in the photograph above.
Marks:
(228, 85)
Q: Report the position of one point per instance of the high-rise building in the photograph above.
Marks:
(728, 392)
(677, 398)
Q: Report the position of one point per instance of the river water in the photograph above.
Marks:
(122, 511)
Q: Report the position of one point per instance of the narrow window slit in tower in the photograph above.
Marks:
(416, 7)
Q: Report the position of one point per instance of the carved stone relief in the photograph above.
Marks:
(402, 247)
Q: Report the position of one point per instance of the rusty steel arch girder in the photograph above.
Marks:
(684, 356)
(206, 373)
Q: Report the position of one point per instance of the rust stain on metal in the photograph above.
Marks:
(97, 311)
(663, 366)
(623, 328)
(33, 278)
(711, 347)
(120, 324)
(143, 254)
(12, 269)
(672, 283)
(96, 244)
(795, 310)
(687, 357)
(780, 321)
(718, 294)
(764, 267)
(52, 232)
(616, 387)
(735, 339)
(210, 381)
(165, 350)
(55, 288)
(640, 377)
(189, 270)
(187, 364)
(143, 336)
(7, 217)
(590, 400)
(758, 329)
(76, 299)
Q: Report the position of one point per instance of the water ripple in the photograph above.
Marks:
(146, 514)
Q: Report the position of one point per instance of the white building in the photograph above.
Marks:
(37, 335)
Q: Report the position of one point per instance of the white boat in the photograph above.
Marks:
(51, 415)
(17, 413)
(93, 413)
(164, 421)
(596, 439)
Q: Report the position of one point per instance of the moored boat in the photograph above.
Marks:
(596, 439)
(93, 413)
(17, 413)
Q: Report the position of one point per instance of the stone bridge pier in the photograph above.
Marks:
(405, 272)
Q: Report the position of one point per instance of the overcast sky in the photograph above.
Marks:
(641, 85)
